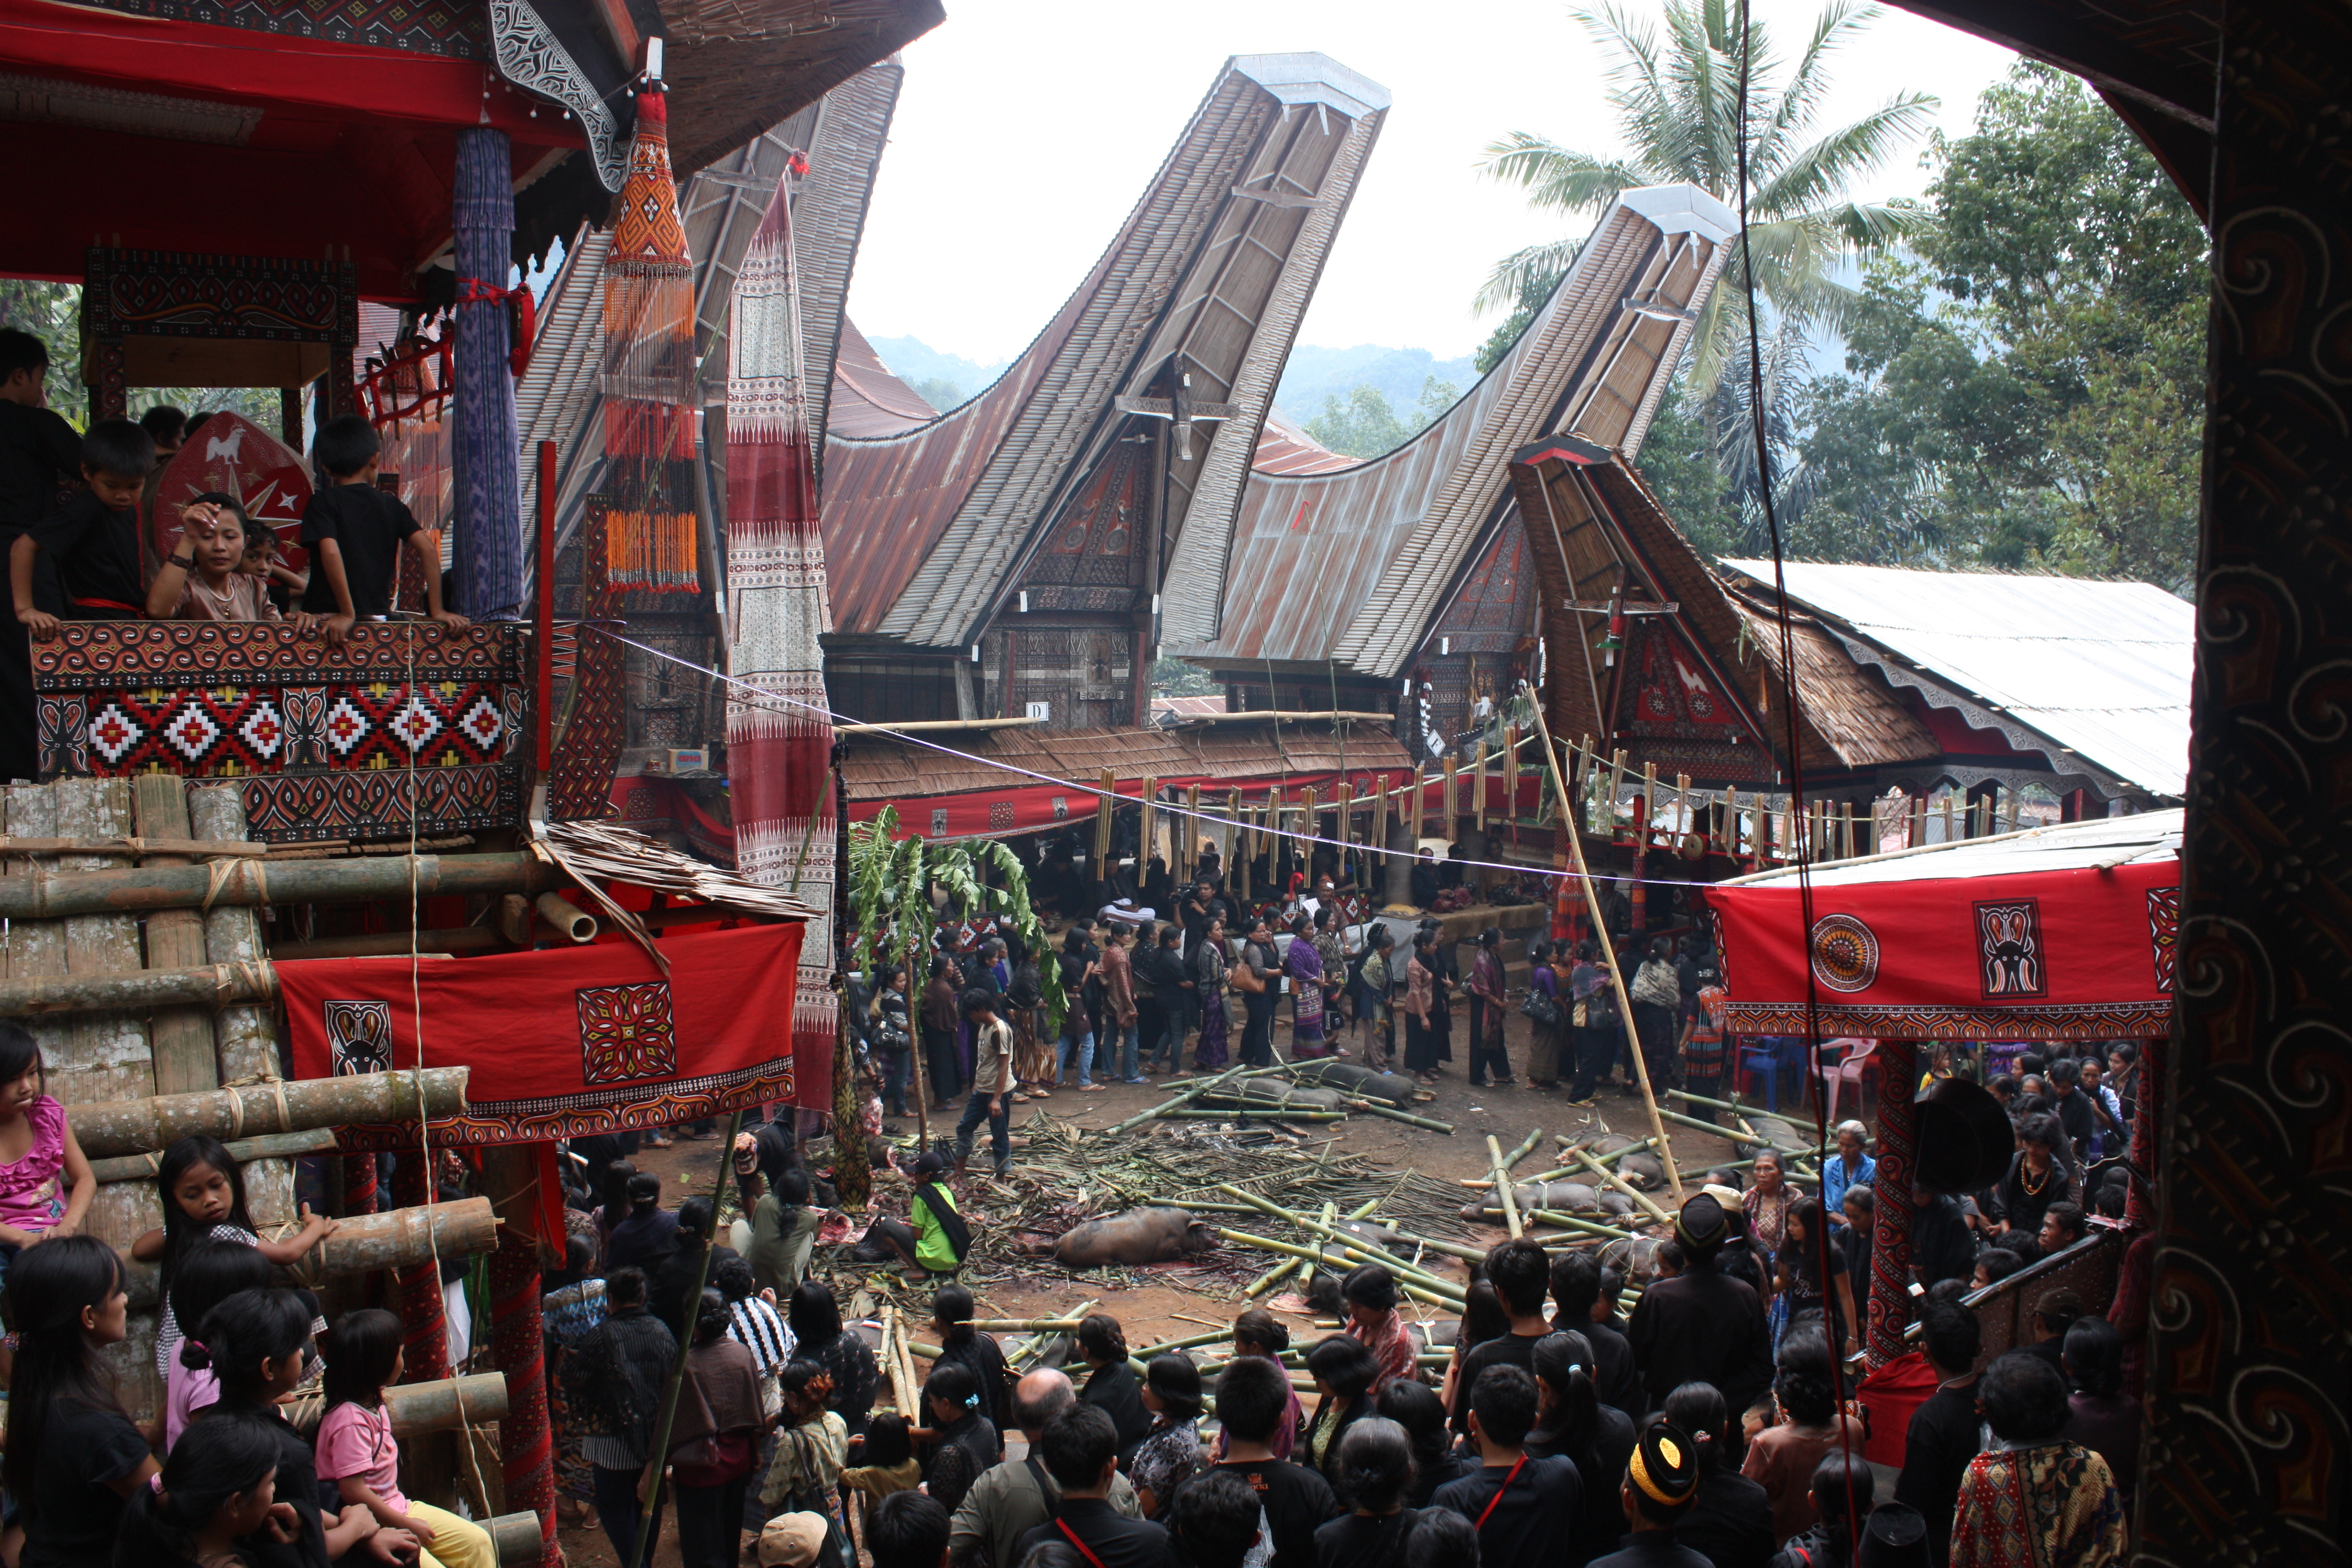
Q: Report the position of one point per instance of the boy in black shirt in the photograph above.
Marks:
(1253, 1396)
(1079, 1449)
(354, 531)
(93, 543)
(1946, 1431)
(1521, 1274)
(40, 457)
(1525, 1509)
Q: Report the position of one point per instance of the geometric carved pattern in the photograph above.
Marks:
(162, 293)
(1845, 953)
(626, 1033)
(458, 29)
(2164, 933)
(93, 655)
(2085, 1021)
(374, 803)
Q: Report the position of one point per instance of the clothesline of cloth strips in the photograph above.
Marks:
(756, 695)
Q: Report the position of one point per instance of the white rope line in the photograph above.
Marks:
(1168, 808)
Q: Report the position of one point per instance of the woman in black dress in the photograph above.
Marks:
(1112, 1385)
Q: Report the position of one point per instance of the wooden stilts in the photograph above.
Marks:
(416, 1286)
(511, 1175)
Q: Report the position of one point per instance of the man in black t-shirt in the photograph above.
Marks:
(1946, 1431)
(1253, 1396)
(1079, 1449)
(1580, 1303)
(355, 532)
(1525, 1509)
(1521, 1275)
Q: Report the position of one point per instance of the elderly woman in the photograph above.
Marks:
(1848, 1167)
(1304, 963)
(1766, 1203)
(1209, 968)
(2033, 1496)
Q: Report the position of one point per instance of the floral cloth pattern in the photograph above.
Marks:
(2052, 1505)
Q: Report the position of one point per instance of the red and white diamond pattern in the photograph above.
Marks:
(416, 724)
(483, 724)
(113, 733)
(346, 727)
(264, 731)
(193, 733)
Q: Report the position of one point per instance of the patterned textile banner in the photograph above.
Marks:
(2066, 954)
(780, 752)
(562, 1042)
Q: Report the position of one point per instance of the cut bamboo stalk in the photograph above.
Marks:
(1337, 1236)
(134, 1126)
(1257, 1113)
(275, 1146)
(1420, 1286)
(246, 1032)
(1694, 1124)
(1025, 1325)
(516, 1537)
(1611, 1158)
(1524, 1150)
(1190, 1095)
(1306, 1270)
(100, 1054)
(1503, 1188)
(69, 892)
(572, 923)
(205, 986)
(1640, 1197)
(1013, 1362)
(1374, 1108)
(1570, 1222)
(141, 846)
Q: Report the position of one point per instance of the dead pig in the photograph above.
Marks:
(1139, 1236)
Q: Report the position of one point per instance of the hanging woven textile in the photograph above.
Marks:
(779, 734)
(649, 381)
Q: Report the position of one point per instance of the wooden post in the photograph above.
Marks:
(416, 1287)
(100, 1055)
(1148, 829)
(1344, 808)
(1948, 793)
(1889, 1309)
(1375, 866)
(122, 895)
(511, 1178)
(1450, 815)
(1616, 975)
(1105, 805)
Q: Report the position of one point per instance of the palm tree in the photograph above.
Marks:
(1678, 105)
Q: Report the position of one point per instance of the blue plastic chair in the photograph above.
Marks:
(1778, 1055)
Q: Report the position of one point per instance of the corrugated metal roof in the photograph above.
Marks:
(2067, 846)
(866, 399)
(1353, 564)
(2101, 669)
(925, 528)
(1284, 448)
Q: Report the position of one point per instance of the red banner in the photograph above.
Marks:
(562, 1042)
(2082, 953)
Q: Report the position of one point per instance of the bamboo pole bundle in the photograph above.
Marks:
(1190, 1095)
(1450, 812)
(1103, 809)
(275, 1146)
(1306, 1270)
(1192, 829)
(1145, 846)
(1412, 1281)
(1341, 1238)
(58, 894)
(134, 1126)
(396, 1238)
(417, 1408)
(1344, 805)
(1378, 848)
(1511, 776)
(1478, 789)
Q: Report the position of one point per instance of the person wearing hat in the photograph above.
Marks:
(792, 1540)
(1661, 1480)
(1896, 1538)
(1701, 1326)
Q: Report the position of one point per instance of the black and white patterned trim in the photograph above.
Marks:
(530, 57)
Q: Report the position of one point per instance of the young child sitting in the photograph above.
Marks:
(200, 1189)
(354, 531)
(358, 1452)
(46, 1185)
(206, 580)
(93, 542)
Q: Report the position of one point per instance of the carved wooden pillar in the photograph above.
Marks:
(416, 1290)
(1888, 1313)
(512, 1175)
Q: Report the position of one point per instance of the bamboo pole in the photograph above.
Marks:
(417, 1408)
(1525, 1149)
(518, 1537)
(1374, 1108)
(1192, 829)
(181, 1037)
(134, 1126)
(1104, 807)
(1570, 1222)
(1027, 1325)
(1338, 1236)
(1149, 830)
(1250, 1113)
(1415, 1283)
(1624, 1186)
(1568, 1140)
(275, 1146)
(396, 1238)
(1503, 1186)
(1306, 1270)
(1478, 789)
(54, 895)
(1616, 976)
(1190, 1095)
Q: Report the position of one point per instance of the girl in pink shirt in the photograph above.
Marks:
(358, 1452)
(46, 1185)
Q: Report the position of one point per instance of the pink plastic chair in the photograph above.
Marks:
(1860, 1058)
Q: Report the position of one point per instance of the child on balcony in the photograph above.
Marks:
(354, 531)
(92, 541)
(203, 581)
(262, 561)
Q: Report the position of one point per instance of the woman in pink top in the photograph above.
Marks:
(46, 1185)
(208, 1275)
(358, 1452)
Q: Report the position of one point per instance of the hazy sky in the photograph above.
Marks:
(1028, 128)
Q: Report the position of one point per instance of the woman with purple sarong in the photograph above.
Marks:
(1209, 969)
(1304, 966)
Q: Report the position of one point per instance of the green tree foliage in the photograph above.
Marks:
(1678, 106)
(888, 875)
(939, 392)
(1181, 678)
(1368, 425)
(52, 312)
(2026, 389)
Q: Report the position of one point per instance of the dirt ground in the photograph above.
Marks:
(1152, 1313)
